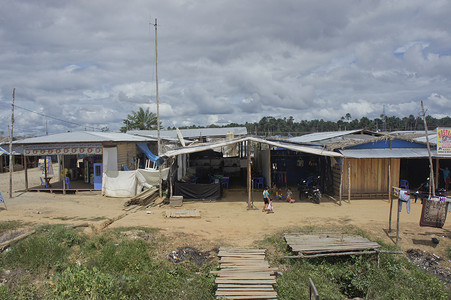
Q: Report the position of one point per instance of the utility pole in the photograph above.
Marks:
(158, 106)
(11, 161)
(431, 167)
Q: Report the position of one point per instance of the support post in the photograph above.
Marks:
(437, 169)
(397, 225)
(431, 167)
(341, 181)
(389, 195)
(349, 181)
(11, 158)
(249, 176)
(26, 172)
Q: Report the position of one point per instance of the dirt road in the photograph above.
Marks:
(224, 222)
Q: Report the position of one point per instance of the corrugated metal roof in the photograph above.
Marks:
(432, 139)
(205, 146)
(391, 153)
(17, 150)
(321, 136)
(191, 133)
(83, 137)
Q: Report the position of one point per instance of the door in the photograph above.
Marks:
(98, 176)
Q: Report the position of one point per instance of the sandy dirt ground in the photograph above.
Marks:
(224, 222)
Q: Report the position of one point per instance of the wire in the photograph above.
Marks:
(55, 118)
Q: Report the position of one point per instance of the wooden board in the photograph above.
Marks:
(244, 274)
(328, 243)
(182, 213)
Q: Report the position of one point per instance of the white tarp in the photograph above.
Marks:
(110, 159)
(119, 183)
(152, 175)
(128, 183)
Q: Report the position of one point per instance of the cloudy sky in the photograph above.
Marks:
(90, 63)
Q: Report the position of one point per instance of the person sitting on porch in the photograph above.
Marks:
(290, 198)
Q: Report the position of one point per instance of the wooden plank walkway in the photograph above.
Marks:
(244, 274)
(315, 244)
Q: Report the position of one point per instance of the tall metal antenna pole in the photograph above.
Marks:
(11, 161)
(158, 105)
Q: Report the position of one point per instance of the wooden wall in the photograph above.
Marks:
(369, 177)
(126, 153)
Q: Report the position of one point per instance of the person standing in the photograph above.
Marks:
(446, 177)
(266, 198)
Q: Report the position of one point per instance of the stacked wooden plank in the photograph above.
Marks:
(244, 274)
(315, 244)
(143, 198)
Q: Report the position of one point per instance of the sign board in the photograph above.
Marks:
(42, 164)
(63, 149)
(443, 140)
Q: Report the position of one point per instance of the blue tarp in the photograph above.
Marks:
(3, 151)
(143, 147)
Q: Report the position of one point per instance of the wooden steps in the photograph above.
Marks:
(244, 274)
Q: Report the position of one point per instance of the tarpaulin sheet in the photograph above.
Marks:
(197, 191)
(119, 183)
(152, 175)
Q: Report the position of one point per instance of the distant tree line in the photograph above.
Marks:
(270, 126)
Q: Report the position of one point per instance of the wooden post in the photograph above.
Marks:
(349, 180)
(26, 172)
(431, 166)
(249, 175)
(397, 225)
(389, 194)
(341, 180)
(11, 160)
(437, 169)
(64, 174)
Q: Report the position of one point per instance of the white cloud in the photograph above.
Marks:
(222, 61)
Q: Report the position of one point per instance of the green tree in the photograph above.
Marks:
(140, 120)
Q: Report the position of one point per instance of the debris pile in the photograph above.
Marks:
(430, 263)
(192, 254)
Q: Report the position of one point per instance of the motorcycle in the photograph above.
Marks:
(309, 188)
(422, 192)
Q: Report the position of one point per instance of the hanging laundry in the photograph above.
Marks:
(433, 213)
(404, 196)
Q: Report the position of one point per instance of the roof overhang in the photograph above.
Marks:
(391, 153)
(289, 146)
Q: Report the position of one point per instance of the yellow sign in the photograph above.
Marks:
(443, 140)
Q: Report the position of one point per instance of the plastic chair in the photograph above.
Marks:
(67, 182)
(43, 183)
(225, 182)
(404, 184)
(258, 182)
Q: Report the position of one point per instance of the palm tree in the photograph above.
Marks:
(140, 120)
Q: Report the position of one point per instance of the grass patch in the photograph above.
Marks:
(64, 218)
(65, 263)
(93, 219)
(124, 263)
(344, 277)
(10, 225)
